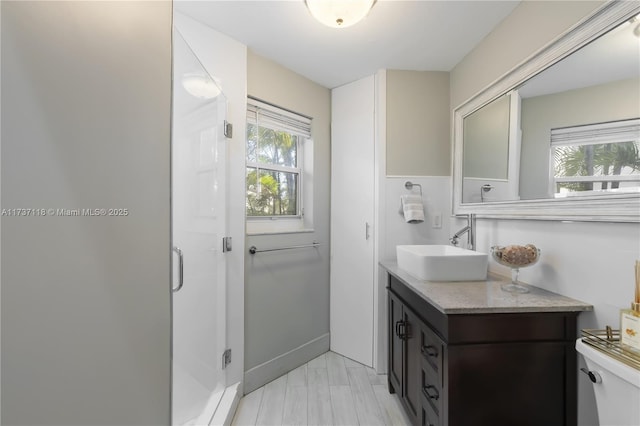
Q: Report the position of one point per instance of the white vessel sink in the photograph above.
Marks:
(442, 263)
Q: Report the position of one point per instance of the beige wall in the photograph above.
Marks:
(292, 284)
(418, 123)
(486, 141)
(531, 26)
(86, 301)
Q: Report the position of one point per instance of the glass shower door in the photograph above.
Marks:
(198, 226)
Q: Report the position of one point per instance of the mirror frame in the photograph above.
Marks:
(606, 208)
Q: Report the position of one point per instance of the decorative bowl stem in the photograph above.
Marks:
(514, 287)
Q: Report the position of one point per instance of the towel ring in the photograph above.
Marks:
(409, 185)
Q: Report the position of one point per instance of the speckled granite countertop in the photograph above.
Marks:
(481, 297)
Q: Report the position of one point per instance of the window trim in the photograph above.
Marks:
(280, 119)
(284, 119)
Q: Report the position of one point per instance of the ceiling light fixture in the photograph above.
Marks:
(636, 30)
(200, 85)
(339, 13)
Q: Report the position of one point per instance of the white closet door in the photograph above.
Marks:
(352, 214)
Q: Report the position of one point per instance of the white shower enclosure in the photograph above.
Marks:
(198, 199)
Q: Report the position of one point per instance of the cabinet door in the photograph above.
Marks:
(412, 364)
(522, 383)
(395, 344)
(352, 212)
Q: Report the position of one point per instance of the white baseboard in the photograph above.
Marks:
(227, 407)
(266, 372)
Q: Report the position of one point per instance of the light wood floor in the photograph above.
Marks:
(328, 390)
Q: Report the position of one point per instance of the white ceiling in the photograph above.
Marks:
(397, 34)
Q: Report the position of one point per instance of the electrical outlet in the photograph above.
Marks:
(436, 221)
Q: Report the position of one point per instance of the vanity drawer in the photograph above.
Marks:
(431, 391)
(432, 351)
(428, 416)
(512, 327)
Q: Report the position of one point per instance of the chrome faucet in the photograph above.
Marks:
(470, 229)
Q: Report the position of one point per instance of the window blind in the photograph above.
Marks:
(601, 133)
(267, 115)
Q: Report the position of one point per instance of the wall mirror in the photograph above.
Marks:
(558, 137)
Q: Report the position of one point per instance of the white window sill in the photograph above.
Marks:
(301, 231)
(280, 226)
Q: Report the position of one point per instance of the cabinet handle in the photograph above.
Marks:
(430, 351)
(400, 329)
(431, 392)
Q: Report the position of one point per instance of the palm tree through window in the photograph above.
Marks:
(276, 140)
(598, 158)
(273, 174)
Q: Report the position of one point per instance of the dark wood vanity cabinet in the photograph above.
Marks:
(405, 356)
(511, 369)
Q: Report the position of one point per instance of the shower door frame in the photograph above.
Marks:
(207, 198)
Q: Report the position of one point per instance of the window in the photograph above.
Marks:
(274, 163)
(596, 158)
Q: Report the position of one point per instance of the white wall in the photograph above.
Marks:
(0, 220)
(86, 102)
(592, 262)
(394, 230)
(226, 59)
(436, 198)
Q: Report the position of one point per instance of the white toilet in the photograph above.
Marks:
(616, 386)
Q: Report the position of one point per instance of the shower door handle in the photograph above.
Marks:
(180, 269)
(366, 230)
